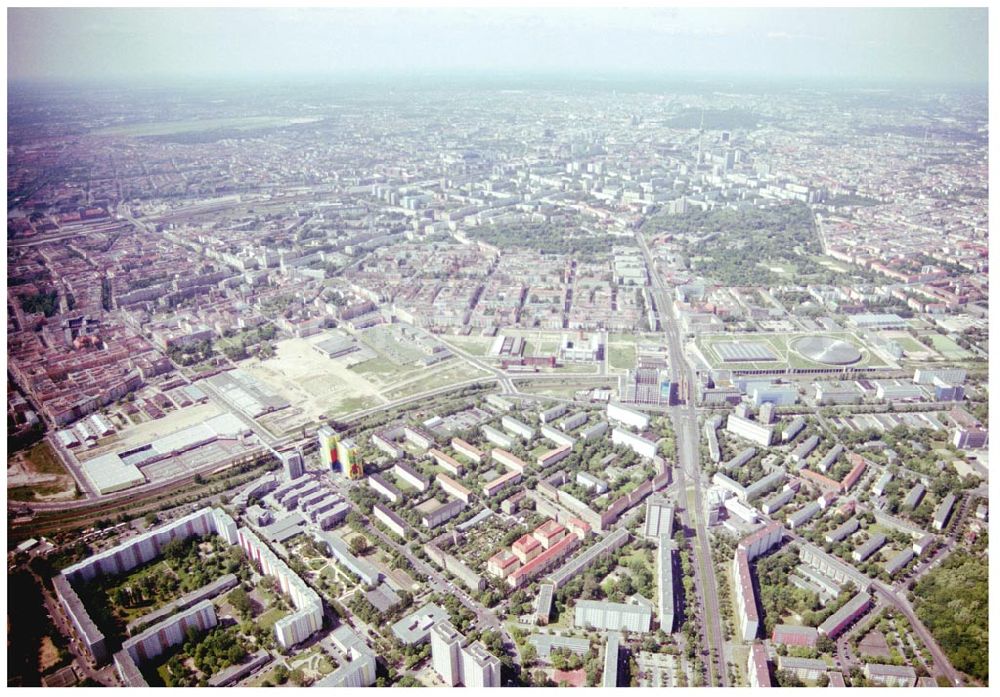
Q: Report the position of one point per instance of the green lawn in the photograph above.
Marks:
(474, 345)
(324, 666)
(947, 347)
(379, 365)
(778, 266)
(354, 404)
(621, 356)
(910, 345)
(829, 263)
(561, 391)
(268, 675)
(269, 618)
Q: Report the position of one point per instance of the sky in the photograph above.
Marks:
(940, 45)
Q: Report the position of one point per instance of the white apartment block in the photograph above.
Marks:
(628, 417)
(642, 446)
(751, 430)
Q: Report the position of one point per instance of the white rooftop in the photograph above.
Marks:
(108, 473)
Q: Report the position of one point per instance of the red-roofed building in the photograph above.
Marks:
(855, 474)
(491, 488)
(527, 548)
(757, 670)
(793, 635)
(827, 499)
(507, 459)
(820, 479)
(542, 562)
(578, 527)
(503, 563)
(549, 532)
(553, 456)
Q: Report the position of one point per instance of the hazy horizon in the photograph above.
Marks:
(926, 45)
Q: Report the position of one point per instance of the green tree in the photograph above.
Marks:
(240, 600)
(359, 545)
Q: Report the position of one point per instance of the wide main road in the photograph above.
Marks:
(685, 422)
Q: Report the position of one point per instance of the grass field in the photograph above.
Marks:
(829, 263)
(909, 344)
(381, 369)
(779, 266)
(270, 618)
(948, 348)
(474, 345)
(561, 391)
(621, 356)
(138, 130)
(455, 370)
(575, 369)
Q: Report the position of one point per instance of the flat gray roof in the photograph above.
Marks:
(416, 627)
(587, 556)
(544, 643)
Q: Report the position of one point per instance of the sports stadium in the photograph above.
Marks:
(775, 354)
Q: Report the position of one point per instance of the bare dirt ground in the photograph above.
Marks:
(312, 382)
(48, 654)
(47, 486)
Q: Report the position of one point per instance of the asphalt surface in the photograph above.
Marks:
(685, 421)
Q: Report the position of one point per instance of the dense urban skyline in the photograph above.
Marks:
(335, 361)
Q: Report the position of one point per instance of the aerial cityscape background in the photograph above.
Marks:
(501, 347)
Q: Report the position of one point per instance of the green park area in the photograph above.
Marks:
(948, 348)
(621, 356)
(952, 600)
(184, 566)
